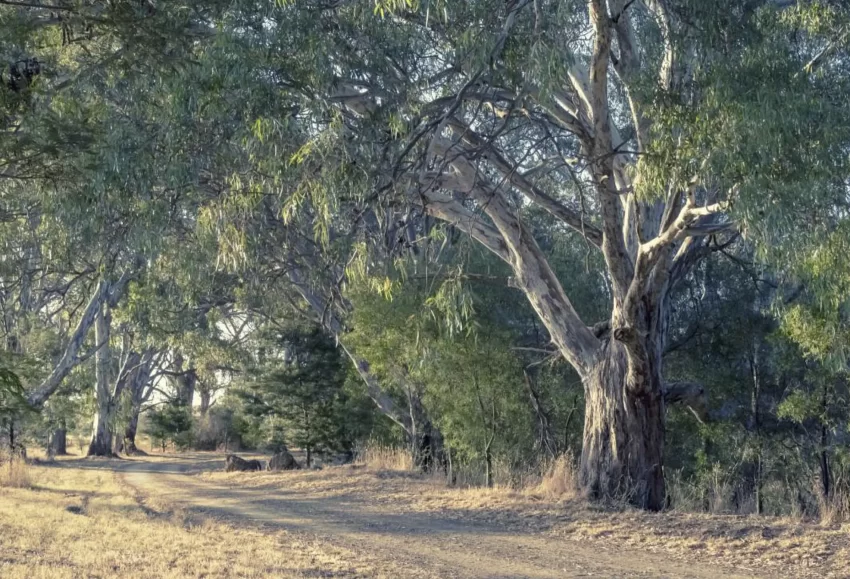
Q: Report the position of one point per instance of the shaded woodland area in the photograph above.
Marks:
(497, 235)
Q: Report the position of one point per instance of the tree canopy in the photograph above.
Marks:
(503, 218)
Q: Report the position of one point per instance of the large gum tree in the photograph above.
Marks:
(660, 130)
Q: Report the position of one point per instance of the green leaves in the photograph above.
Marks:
(452, 305)
(800, 406)
(299, 394)
(13, 399)
(385, 7)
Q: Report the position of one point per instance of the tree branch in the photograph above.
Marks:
(509, 171)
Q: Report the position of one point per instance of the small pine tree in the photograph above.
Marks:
(172, 422)
(302, 396)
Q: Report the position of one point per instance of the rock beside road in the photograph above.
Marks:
(283, 460)
(233, 463)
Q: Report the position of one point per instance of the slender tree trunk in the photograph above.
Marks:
(101, 440)
(752, 466)
(825, 474)
(757, 431)
(488, 465)
(451, 476)
(623, 433)
(309, 436)
(545, 433)
(331, 322)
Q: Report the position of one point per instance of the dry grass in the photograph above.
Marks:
(780, 546)
(560, 479)
(79, 520)
(835, 509)
(381, 457)
(14, 473)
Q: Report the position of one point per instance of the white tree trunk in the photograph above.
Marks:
(104, 292)
(101, 440)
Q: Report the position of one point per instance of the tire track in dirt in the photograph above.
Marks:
(424, 545)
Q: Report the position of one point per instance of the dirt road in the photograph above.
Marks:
(422, 545)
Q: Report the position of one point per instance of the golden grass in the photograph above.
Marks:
(79, 520)
(14, 473)
(560, 479)
(835, 509)
(382, 457)
(781, 546)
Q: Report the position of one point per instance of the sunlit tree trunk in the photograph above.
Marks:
(101, 440)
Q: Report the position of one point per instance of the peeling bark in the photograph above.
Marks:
(623, 433)
(469, 180)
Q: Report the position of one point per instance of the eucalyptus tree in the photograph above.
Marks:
(817, 323)
(659, 131)
(277, 259)
(66, 170)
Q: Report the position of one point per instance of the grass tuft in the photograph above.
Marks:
(834, 509)
(382, 457)
(559, 479)
(14, 473)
